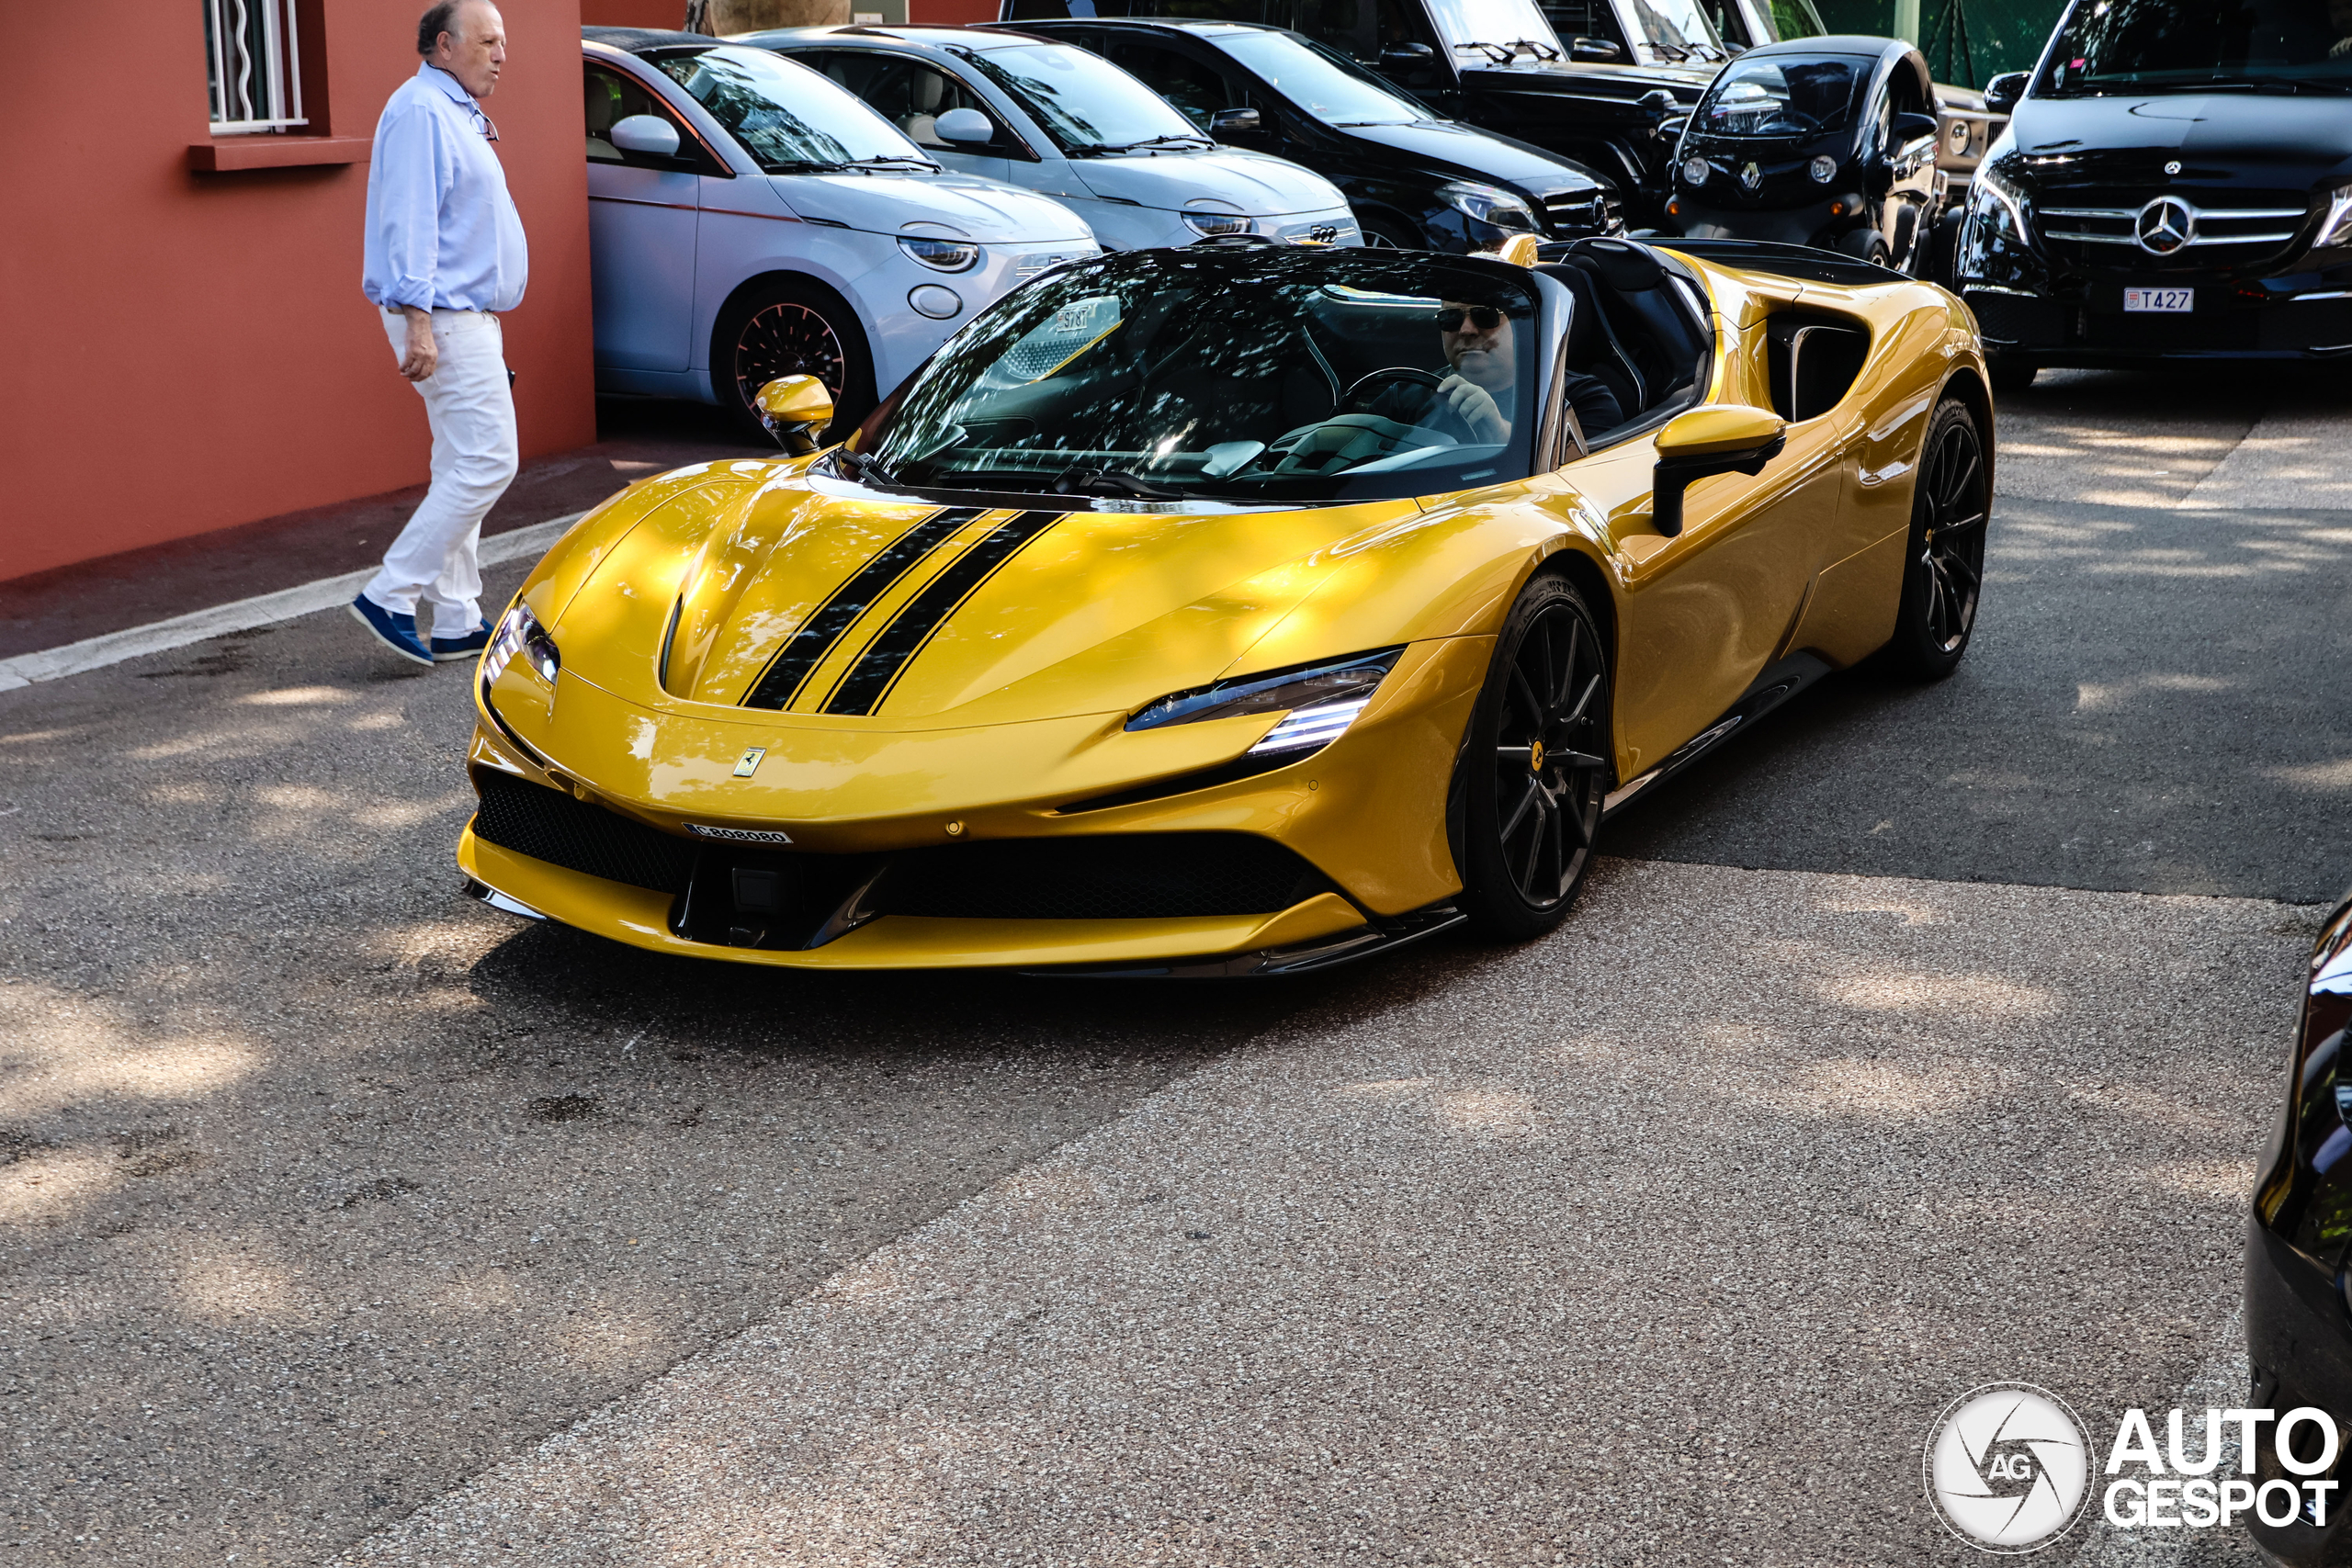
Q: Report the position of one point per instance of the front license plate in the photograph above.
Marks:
(2160, 299)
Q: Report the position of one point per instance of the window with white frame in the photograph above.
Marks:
(253, 66)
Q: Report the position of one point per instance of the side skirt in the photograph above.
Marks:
(1775, 685)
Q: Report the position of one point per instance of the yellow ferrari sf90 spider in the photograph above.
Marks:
(1236, 609)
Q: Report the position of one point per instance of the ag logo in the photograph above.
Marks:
(2165, 225)
(2007, 1468)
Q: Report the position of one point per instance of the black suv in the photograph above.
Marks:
(1416, 182)
(1496, 65)
(2176, 183)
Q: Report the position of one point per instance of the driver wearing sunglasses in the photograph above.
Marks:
(1480, 345)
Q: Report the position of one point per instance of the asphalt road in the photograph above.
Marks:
(341, 1214)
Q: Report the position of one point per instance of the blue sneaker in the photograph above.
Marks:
(449, 650)
(395, 632)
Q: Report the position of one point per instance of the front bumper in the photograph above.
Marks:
(1052, 844)
(2270, 319)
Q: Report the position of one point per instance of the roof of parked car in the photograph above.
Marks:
(1165, 24)
(911, 32)
(645, 40)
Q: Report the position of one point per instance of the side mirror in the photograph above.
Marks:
(1910, 128)
(646, 133)
(1407, 57)
(2003, 91)
(966, 126)
(794, 409)
(1720, 438)
(1671, 127)
(1594, 50)
(1232, 122)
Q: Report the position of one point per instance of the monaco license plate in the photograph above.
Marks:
(2160, 299)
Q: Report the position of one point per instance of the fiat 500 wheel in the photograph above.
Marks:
(1944, 573)
(1536, 766)
(786, 328)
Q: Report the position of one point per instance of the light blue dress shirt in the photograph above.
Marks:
(443, 233)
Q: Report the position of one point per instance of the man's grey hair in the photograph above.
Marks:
(439, 18)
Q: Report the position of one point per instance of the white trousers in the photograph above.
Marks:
(436, 559)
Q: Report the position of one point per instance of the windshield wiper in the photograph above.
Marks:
(863, 465)
(1668, 51)
(888, 161)
(1176, 138)
(1110, 482)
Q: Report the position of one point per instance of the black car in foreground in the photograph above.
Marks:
(2176, 183)
(2298, 1296)
(1496, 64)
(1416, 181)
(1826, 142)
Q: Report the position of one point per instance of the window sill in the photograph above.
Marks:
(226, 155)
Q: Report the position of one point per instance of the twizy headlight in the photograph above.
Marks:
(519, 632)
(947, 255)
(1695, 171)
(1323, 700)
(2335, 230)
(1488, 205)
(1823, 169)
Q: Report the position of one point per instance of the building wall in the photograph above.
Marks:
(191, 351)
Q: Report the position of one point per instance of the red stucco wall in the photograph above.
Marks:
(189, 352)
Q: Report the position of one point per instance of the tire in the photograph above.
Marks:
(1529, 818)
(1867, 244)
(1943, 262)
(2011, 374)
(1382, 233)
(791, 327)
(1943, 569)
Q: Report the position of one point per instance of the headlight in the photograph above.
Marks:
(947, 255)
(519, 632)
(2336, 232)
(1323, 700)
(1488, 205)
(1992, 197)
(1823, 169)
(1209, 225)
(1695, 171)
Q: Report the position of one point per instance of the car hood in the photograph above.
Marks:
(2243, 130)
(1003, 615)
(1626, 82)
(954, 206)
(1247, 182)
(1469, 154)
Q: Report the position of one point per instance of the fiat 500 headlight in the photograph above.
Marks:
(1488, 205)
(1209, 225)
(2335, 230)
(1322, 699)
(519, 632)
(947, 255)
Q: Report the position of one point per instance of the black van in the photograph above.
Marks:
(1496, 65)
(1416, 181)
(2175, 183)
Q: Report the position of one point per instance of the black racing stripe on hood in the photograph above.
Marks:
(887, 657)
(807, 647)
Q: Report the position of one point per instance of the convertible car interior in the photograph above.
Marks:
(1639, 328)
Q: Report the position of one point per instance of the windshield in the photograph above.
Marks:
(1329, 91)
(1778, 96)
(2107, 45)
(786, 116)
(1677, 28)
(1476, 25)
(1083, 99)
(1244, 375)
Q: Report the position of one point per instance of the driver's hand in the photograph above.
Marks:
(1476, 407)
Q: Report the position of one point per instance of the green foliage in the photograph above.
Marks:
(1967, 41)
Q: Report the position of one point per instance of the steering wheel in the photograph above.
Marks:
(1429, 412)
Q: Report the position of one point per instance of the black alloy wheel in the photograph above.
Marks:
(1943, 575)
(789, 328)
(1536, 766)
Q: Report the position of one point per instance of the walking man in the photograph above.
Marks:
(444, 256)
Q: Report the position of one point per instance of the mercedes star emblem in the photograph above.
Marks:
(2165, 225)
(2172, 168)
